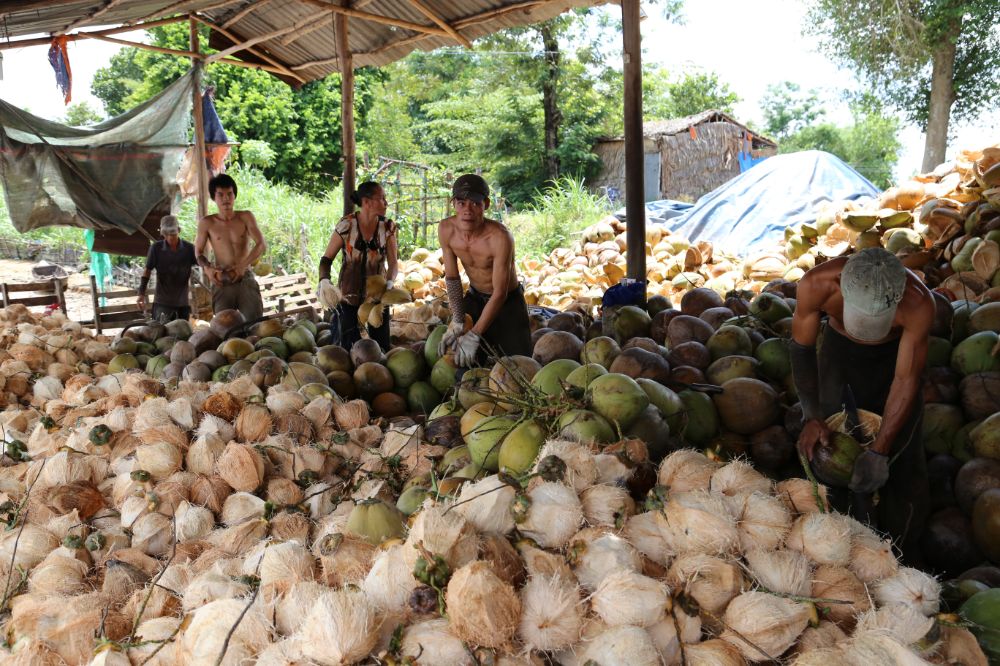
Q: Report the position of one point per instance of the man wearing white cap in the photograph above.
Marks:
(172, 259)
(878, 318)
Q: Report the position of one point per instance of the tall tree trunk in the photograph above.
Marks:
(550, 100)
(942, 98)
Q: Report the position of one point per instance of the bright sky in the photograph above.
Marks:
(748, 49)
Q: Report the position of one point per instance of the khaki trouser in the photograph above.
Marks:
(243, 295)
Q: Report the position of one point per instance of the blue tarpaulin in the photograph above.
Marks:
(752, 210)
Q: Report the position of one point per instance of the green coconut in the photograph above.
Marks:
(298, 375)
(371, 379)
(939, 352)
(652, 429)
(731, 367)
(747, 405)
(485, 439)
(985, 318)
(375, 521)
(940, 426)
(584, 426)
(962, 312)
(509, 376)
(474, 387)
(155, 366)
(235, 348)
(582, 377)
(453, 460)
(769, 307)
(146, 348)
(256, 356)
(961, 446)
(179, 328)
(618, 398)
(729, 341)
(443, 374)
(667, 401)
(447, 408)
(406, 366)
(701, 419)
(412, 499)
(982, 612)
(124, 346)
(299, 338)
(986, 523)
(164, 344)
(975, 354)
(629, 322)
(312, 391)
(775, 360)
(123, 362)
(421, 397)
(834, 464)
(240, 368)
(333, 358)
(277, 346)
(549, 379)
(986, 437)
(601, 350)
(521, 446)
(431, 346)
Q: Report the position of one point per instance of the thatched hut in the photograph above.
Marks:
(685, 157)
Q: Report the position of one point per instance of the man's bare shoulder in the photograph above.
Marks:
(499, 230)
(818, 282)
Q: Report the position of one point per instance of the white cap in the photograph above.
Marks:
(873, 282)
(169, 225)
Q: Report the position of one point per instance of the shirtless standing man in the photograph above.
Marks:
(229, 232)
(878, 318)
(495, 300)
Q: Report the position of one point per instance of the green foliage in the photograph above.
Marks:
(891, 43)
(555, 213)
(256, 153)
(81, 114)
(788, 109)
(665, 97)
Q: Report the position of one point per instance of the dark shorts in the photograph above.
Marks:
(165, 313)
(510, 333)
(243, 296)
(350, 332)
(903, 503)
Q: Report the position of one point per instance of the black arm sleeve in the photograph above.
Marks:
(143, 284)
(325, 264)
(805, 372)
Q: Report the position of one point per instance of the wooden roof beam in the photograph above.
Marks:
(240, 46)
(96, 14)
(288, 39)
(436, 18)
(246, 11)
(379, 18)
(281, 67)
(45, 41)
(174, 6)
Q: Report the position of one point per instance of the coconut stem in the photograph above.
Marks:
(152, 585)
(820, 503)
(8, 593)
(232, 629)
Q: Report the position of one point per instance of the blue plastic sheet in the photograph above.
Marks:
(751, 211)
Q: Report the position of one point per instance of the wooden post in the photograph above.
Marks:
(346, 106)
(423, 216)
(199, 126)
(635, 204)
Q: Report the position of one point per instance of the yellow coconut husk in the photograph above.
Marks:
(486, 505)
(686, 470)
(80, 496)
(764, 523)
(210, 492)
(799, 496)
(879, 647)
(239, 539)
(910, 587)
(595, 553)
(241, 466)
(240, 507)
(212, 625)
(959, 646)
(711, 581)
(253, 423)
(58, 574)
(283, 492)
(503, 559)
(551, 614)
(554, 516)
(608, 506)
(153, 534)
(281, 401)
(482, 609)
(433, 642)
(155, 636)
(825, 538)
(839, 583)
(390, 580)
(737, 480)
(872, 558)
(650, 534)
(630, 598)
(344, 559)
(763, 625)
(581, 469)
(222, 404)
(780, 571)
(295, 426)
(443, 533)
(351, 414)
(823, 637)
(66, 624)
(341, 627)
(215, 584)
(624, 644)
(290, 526)
(699, 522)
(160, 459)
(905, 622)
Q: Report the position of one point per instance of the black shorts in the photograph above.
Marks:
(510, 333)
(166, 313)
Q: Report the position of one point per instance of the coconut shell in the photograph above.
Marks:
(482, 609)
(636, 362)
(685, 328)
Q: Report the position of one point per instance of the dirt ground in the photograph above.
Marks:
(78, 303)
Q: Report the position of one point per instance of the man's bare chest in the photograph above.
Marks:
(228, 232)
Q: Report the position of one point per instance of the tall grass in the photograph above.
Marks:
(555, 214)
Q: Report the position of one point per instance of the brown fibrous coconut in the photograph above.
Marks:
(711, 581)
(627, 597)
(211, 626)
(222, 404)
(482, 609)
(686, 470)
(344, 559)
(910, 587)
(763, 625)
(595, 553)
(625, 644)
(764, 523)
(554, 516)
(700, 521)
(650, 534)
(444, 533)
(606, 505)
(823, 537)
(486, 504)
(838, 583)
(780, 571)
(241, 467)
(253, 423)
(351, 414)
(551, 614)
(872, 558)
(799, 496)
(581, 468)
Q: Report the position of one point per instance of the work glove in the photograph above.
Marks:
(328, 294)
(389, 284)
(466, 349)
(454, 332)
(871, 471)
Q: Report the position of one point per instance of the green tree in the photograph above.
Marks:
(664, 96)
(788, 109)
(929, 58)
(81, 114)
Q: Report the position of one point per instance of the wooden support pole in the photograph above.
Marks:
(635, 204)
(441, 23)
(199, 126)
(140, 45)
(346, 106)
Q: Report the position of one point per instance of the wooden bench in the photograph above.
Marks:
(288, 294)
(123, 312)
(43, 292)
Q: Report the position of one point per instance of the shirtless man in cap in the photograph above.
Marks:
(495, 300)
(874, 341)
(229, 232)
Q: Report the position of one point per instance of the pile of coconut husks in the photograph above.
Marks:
(215, 523)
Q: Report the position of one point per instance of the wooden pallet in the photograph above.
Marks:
(119, 314)
(42, 292)
(287, 294)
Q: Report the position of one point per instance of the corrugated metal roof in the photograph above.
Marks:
(654, 128)
(306, 43)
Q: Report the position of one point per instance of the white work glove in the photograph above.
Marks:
(328, 294)
(466, 349)
(389, 285)
(454, 332)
